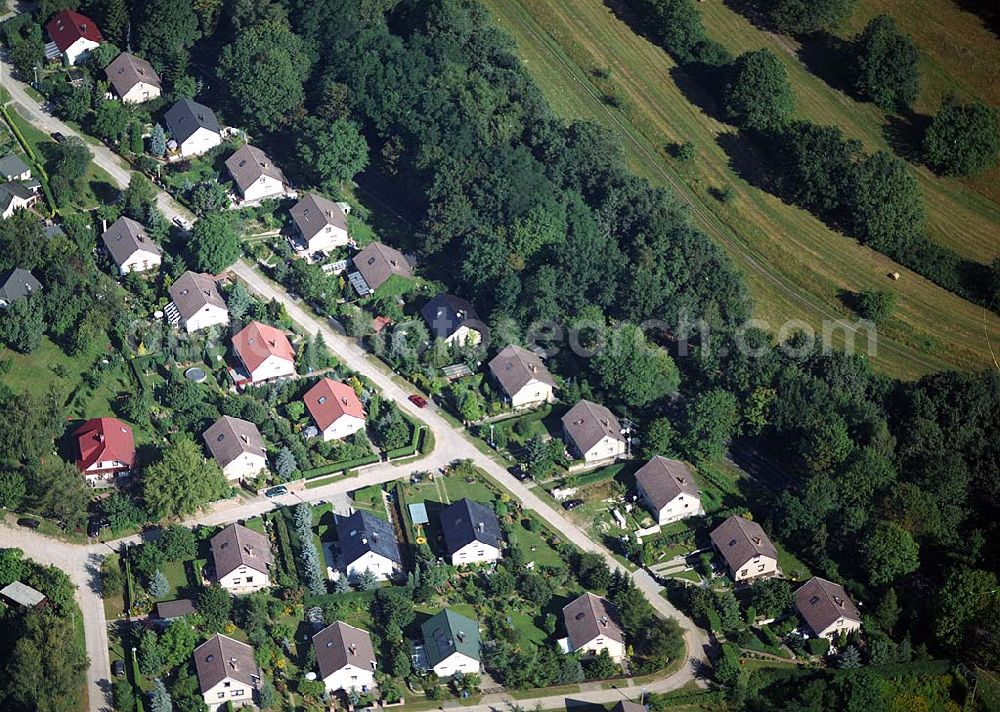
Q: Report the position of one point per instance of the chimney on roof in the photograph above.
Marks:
(245, 439)
(604, 621)
(232, 662)
(461, 636)
(756, 540)
(354, 649)
(100, 437)
(248, 549)
(839, 601)
(480, 526)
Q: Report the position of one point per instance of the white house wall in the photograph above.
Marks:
(245, 467)
(475, 553)
(350, 677)
(456, 662)
(244, 580)
(201, 141)
(383, 567)
(342, 427)
(208, 315)
(273, 367)
(140, 92)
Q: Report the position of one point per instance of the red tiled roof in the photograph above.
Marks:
(256, 342)
(104, 439)
(67, 26)
(328, 400)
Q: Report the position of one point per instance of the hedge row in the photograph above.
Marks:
(339, 466)
(287, 557)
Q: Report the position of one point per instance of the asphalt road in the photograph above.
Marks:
(82, 563)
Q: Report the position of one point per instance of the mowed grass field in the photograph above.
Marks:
(580, 51)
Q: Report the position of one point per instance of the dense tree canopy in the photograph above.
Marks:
(963, 139)
(758, 94)
(182, 480)
(885, 65)
(214, 243)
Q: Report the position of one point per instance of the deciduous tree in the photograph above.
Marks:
(182, 480)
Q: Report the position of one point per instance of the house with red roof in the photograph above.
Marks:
(262, 353)
(73, 35)
(335, 408)
(105, 447)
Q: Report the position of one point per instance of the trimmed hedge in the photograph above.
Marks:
(818, 646)
(339, 466)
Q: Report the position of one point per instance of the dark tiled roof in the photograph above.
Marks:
(515, 367)
(587, 423)
(17, 283)
(466, 521)
(125, 237)
(192, 291)
(378, 262)
(186, 116)
(220, 657)
(11, 166)
(363, 532)
(237, 546)
(339, 645)
(590, 616)
(248, 164)
(126, 70)
(445, 314)
(168, 610)
(740, 540)
(662, 480)
(228, 438)
(822, 603)
(448, 632)
(314, 212)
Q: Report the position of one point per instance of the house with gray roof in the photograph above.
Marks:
(17, 284)
(227, 672)
(242, 559)
(255, 175)
(237, 446)
(15, 196)
(345, 657)
(131, 248)
(368, 543)
(320, 224)
(193, 127)
(592, 626)
(826, 608)
(133, 78)
(167, 611)
(21, 594)
(453, 320)
(471, 533)
(522, 377)
(196, 302)
(12, 167)
(748, 552)
(592, 433)
(376, 263)
(451, 644)
(669, 490)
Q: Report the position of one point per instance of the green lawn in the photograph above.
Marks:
(526, 625)
(535, 545)
(177, 576)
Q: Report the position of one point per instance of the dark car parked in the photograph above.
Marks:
(28, 522)
(572, 503)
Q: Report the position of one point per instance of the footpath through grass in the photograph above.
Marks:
(580, 51)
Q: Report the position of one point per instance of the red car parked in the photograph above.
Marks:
(418, 401)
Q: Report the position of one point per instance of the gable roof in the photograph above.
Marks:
(255, 342)
(12, 166)
(125, 237)
(448, 632)
(22, 594)
(228, 438)
(68, 26)
(248, 164)
(378, 262)
(466, 521)
(328, 400)
(740, 540)
(102, 440)
(17, 283)
(185, 117)
(363, 532)
(12, 190)
(126, 70)
(168, 610)
(587, 423)
(193, 291)
(662, 480)
(515, 367)
(445, 314)
(627, 706)
(339, 645)
(237, 546)
(221, 657)
(589, 616)
(314, 212)
(822, 603)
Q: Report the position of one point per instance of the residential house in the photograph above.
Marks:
(130, 247)
(368, 543)
(133, 79)
(826, 608)
(237, 446)
(471, 533)
(748, 552)
(264, 354)
(72, 36)
(193, 127)
(592, 433)
(105, 447)
(255, 175)
(227, 672)
(522, 377)
(196, 302)
(13, 168)
(22, 594)
(335, 408)
(454, 320)
(450, 644)
(320, 223)
(669, 490)
(376, 263)
(592, 626)
(345, 657)
(241, 557)
(17, 284)
(15, 196)
(167, 611)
